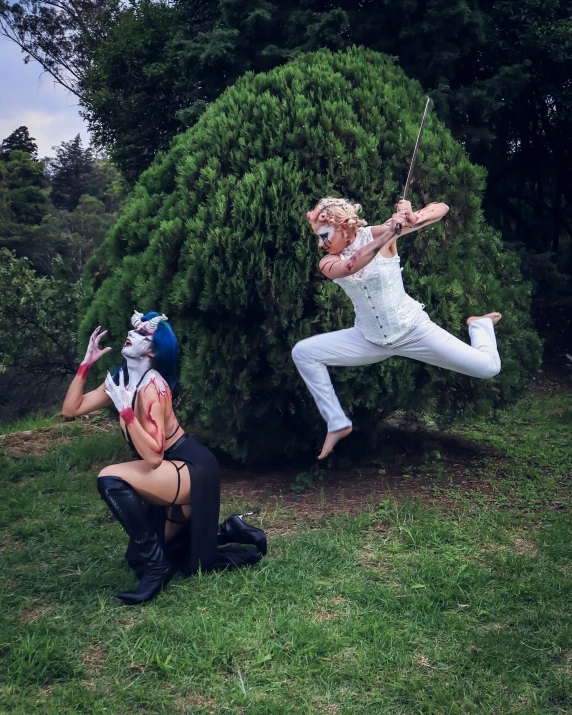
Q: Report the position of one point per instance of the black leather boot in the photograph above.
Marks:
(235, 530)
(134, 560)
(144, 549)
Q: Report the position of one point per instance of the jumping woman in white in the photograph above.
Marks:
(364, 261)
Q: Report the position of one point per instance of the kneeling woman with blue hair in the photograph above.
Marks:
(168, 499)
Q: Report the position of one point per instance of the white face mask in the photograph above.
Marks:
(137, 345)
(325, 233)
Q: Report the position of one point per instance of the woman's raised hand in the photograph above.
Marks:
(403, 206)
(399, 218)
(93, 351)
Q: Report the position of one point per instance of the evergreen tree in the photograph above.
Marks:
(214, 235)
(70, 235)
(19, 140)
(29, 223)
(71, 174)
(23, 203)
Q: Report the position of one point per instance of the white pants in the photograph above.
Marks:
(427, 342)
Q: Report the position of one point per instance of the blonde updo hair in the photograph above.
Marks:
(334, 212)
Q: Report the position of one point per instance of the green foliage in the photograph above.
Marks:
(19, 140)
(86, 190)
(22, 198)
(40, 317)
(214, 235)
(43, 250)
(71, 174)
(306, 480)
(499, 80)
(38, 339)
(137, 60)
(71, 235)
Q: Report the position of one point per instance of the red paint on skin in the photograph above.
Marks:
(162, 390)
(83, 369)
(128, 416)
(350, 266)
(329, 265)
(155, 430)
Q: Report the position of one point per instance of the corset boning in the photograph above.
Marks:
(384, 311)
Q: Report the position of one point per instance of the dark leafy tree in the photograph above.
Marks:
(38, 341)
(135, 76)
(214, 235)
(19, 140)
(71, 236)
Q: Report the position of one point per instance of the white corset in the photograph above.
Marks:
(384, 311)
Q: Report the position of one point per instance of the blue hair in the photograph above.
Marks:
(165, 349)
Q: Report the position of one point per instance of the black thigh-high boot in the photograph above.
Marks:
(126, 505)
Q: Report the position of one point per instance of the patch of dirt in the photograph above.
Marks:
(35, 611)
(422, 662)
(94, 658)
(38, 442)
(354, 490)
(11, 545)
(494, 548)
(323, 709)
(493, 627)
(330, 610)
(525, 548)
(190, 701)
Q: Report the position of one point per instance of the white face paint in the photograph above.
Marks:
(138, 344)
(325, 234)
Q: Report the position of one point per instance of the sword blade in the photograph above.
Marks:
(414, 158)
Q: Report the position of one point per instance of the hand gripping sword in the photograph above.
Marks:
(413, 159)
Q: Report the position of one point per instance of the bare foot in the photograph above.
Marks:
(332, 438)
(495, 317)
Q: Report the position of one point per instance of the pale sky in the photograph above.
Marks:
(29, 97)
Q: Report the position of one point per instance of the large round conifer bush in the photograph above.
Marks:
(215, 236)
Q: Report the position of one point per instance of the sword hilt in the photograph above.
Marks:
(398, 226)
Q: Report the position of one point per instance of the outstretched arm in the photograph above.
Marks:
(414, 219)
(75, 402)
(334, 266)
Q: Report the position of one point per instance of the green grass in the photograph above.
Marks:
(32, 422)
(462, 607)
